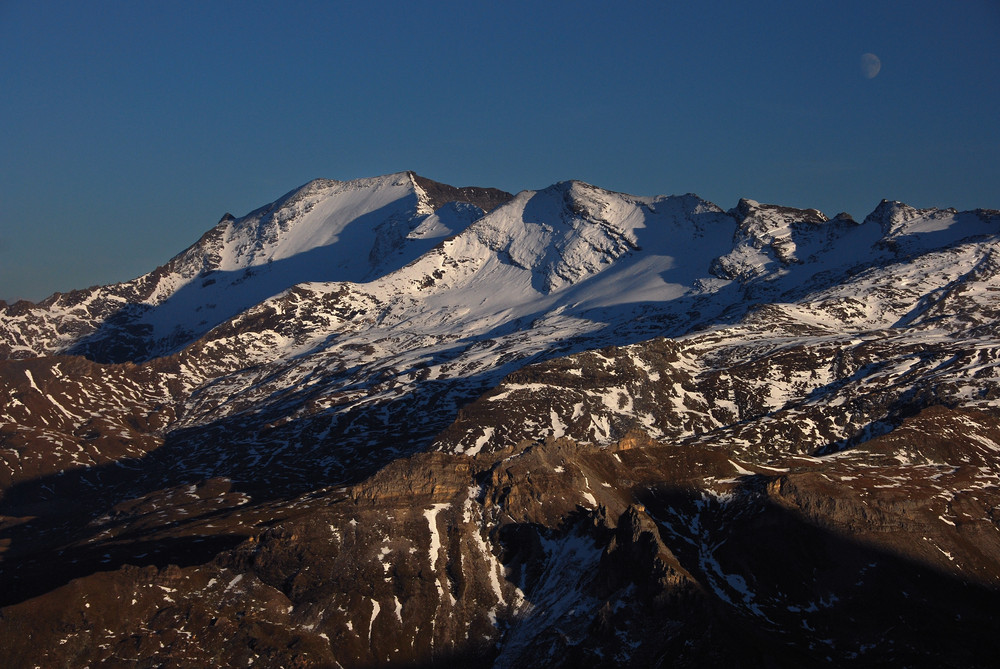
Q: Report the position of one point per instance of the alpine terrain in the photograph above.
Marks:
(391, 422)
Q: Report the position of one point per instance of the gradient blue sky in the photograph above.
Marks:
(128, 128)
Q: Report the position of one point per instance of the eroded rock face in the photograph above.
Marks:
(561, 554)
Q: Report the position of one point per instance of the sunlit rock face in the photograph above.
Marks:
(394, 422)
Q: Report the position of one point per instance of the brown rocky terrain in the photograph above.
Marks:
(561, 554)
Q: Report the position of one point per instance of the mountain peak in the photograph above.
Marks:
(746, 208)
(891, 215)
(439, 194)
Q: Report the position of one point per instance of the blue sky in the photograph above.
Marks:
(127, 129)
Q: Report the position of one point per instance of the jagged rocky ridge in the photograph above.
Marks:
(390, 421)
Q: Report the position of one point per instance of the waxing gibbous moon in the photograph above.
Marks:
(870, 65)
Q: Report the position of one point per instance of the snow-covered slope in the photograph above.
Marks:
(323, 231)
(372, 288)
(352, 311)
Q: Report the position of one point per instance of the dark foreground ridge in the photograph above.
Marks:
(506, 561)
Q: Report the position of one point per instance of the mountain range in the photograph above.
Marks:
(391, 422)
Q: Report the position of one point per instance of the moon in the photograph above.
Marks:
(870, 65)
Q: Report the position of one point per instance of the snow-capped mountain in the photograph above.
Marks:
(323, 231)
(539, 426)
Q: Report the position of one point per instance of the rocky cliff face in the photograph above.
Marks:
(393, 422)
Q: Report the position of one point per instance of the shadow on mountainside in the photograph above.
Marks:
(62, 526)
(262, 454)
(771, 589)
(767, 587)
(265, 456)
(371, 245)
(270, 456)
